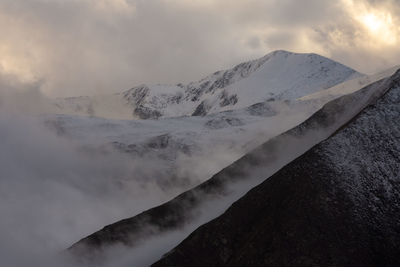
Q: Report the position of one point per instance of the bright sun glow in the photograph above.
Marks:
(16, 66)
(372, 22)
(378, 23)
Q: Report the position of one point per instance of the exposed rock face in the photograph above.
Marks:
(261, 109)
(137, 95)
(201, 109)
(145, 113)
(227, 99)
(221, 79)
(222, 122)
(336, 205)
(264, 160)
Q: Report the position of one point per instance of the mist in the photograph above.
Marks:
(55, 190)
(56, 187)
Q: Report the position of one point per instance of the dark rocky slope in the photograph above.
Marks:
(336, 205)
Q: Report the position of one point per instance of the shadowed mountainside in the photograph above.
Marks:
(336, 205)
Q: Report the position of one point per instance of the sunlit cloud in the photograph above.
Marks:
(379, 24)
(101, 46)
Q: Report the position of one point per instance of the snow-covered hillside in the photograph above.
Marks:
(187, 149)
(280, 75)
(190, 209)
(184, 151)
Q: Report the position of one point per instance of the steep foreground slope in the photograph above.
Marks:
(208, 200)
(280, 75)
(336, 205)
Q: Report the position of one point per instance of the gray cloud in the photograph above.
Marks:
(87, 47)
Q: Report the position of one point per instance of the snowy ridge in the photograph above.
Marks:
(349, 86)
(280, 75)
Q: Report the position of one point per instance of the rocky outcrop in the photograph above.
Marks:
(336, 205)
(261, 109)
(226, 99)
(223, 122)
(137, 95)
(202, 109)
(145, 113)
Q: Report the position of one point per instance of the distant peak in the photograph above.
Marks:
(280, 52)
(288, 53)
(277, 54)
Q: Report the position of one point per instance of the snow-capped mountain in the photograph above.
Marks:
(181, 143)
(117, 161)
(280, 75)
(185, 151)
(176, 219)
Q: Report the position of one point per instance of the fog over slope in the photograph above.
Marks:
(63, 177)
(165, 225)
(52, 191)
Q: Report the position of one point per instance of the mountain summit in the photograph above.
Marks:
(280, 75)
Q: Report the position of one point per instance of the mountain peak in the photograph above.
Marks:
(280, 52)
(280, 75)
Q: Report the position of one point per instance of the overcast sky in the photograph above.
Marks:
(81, 47)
